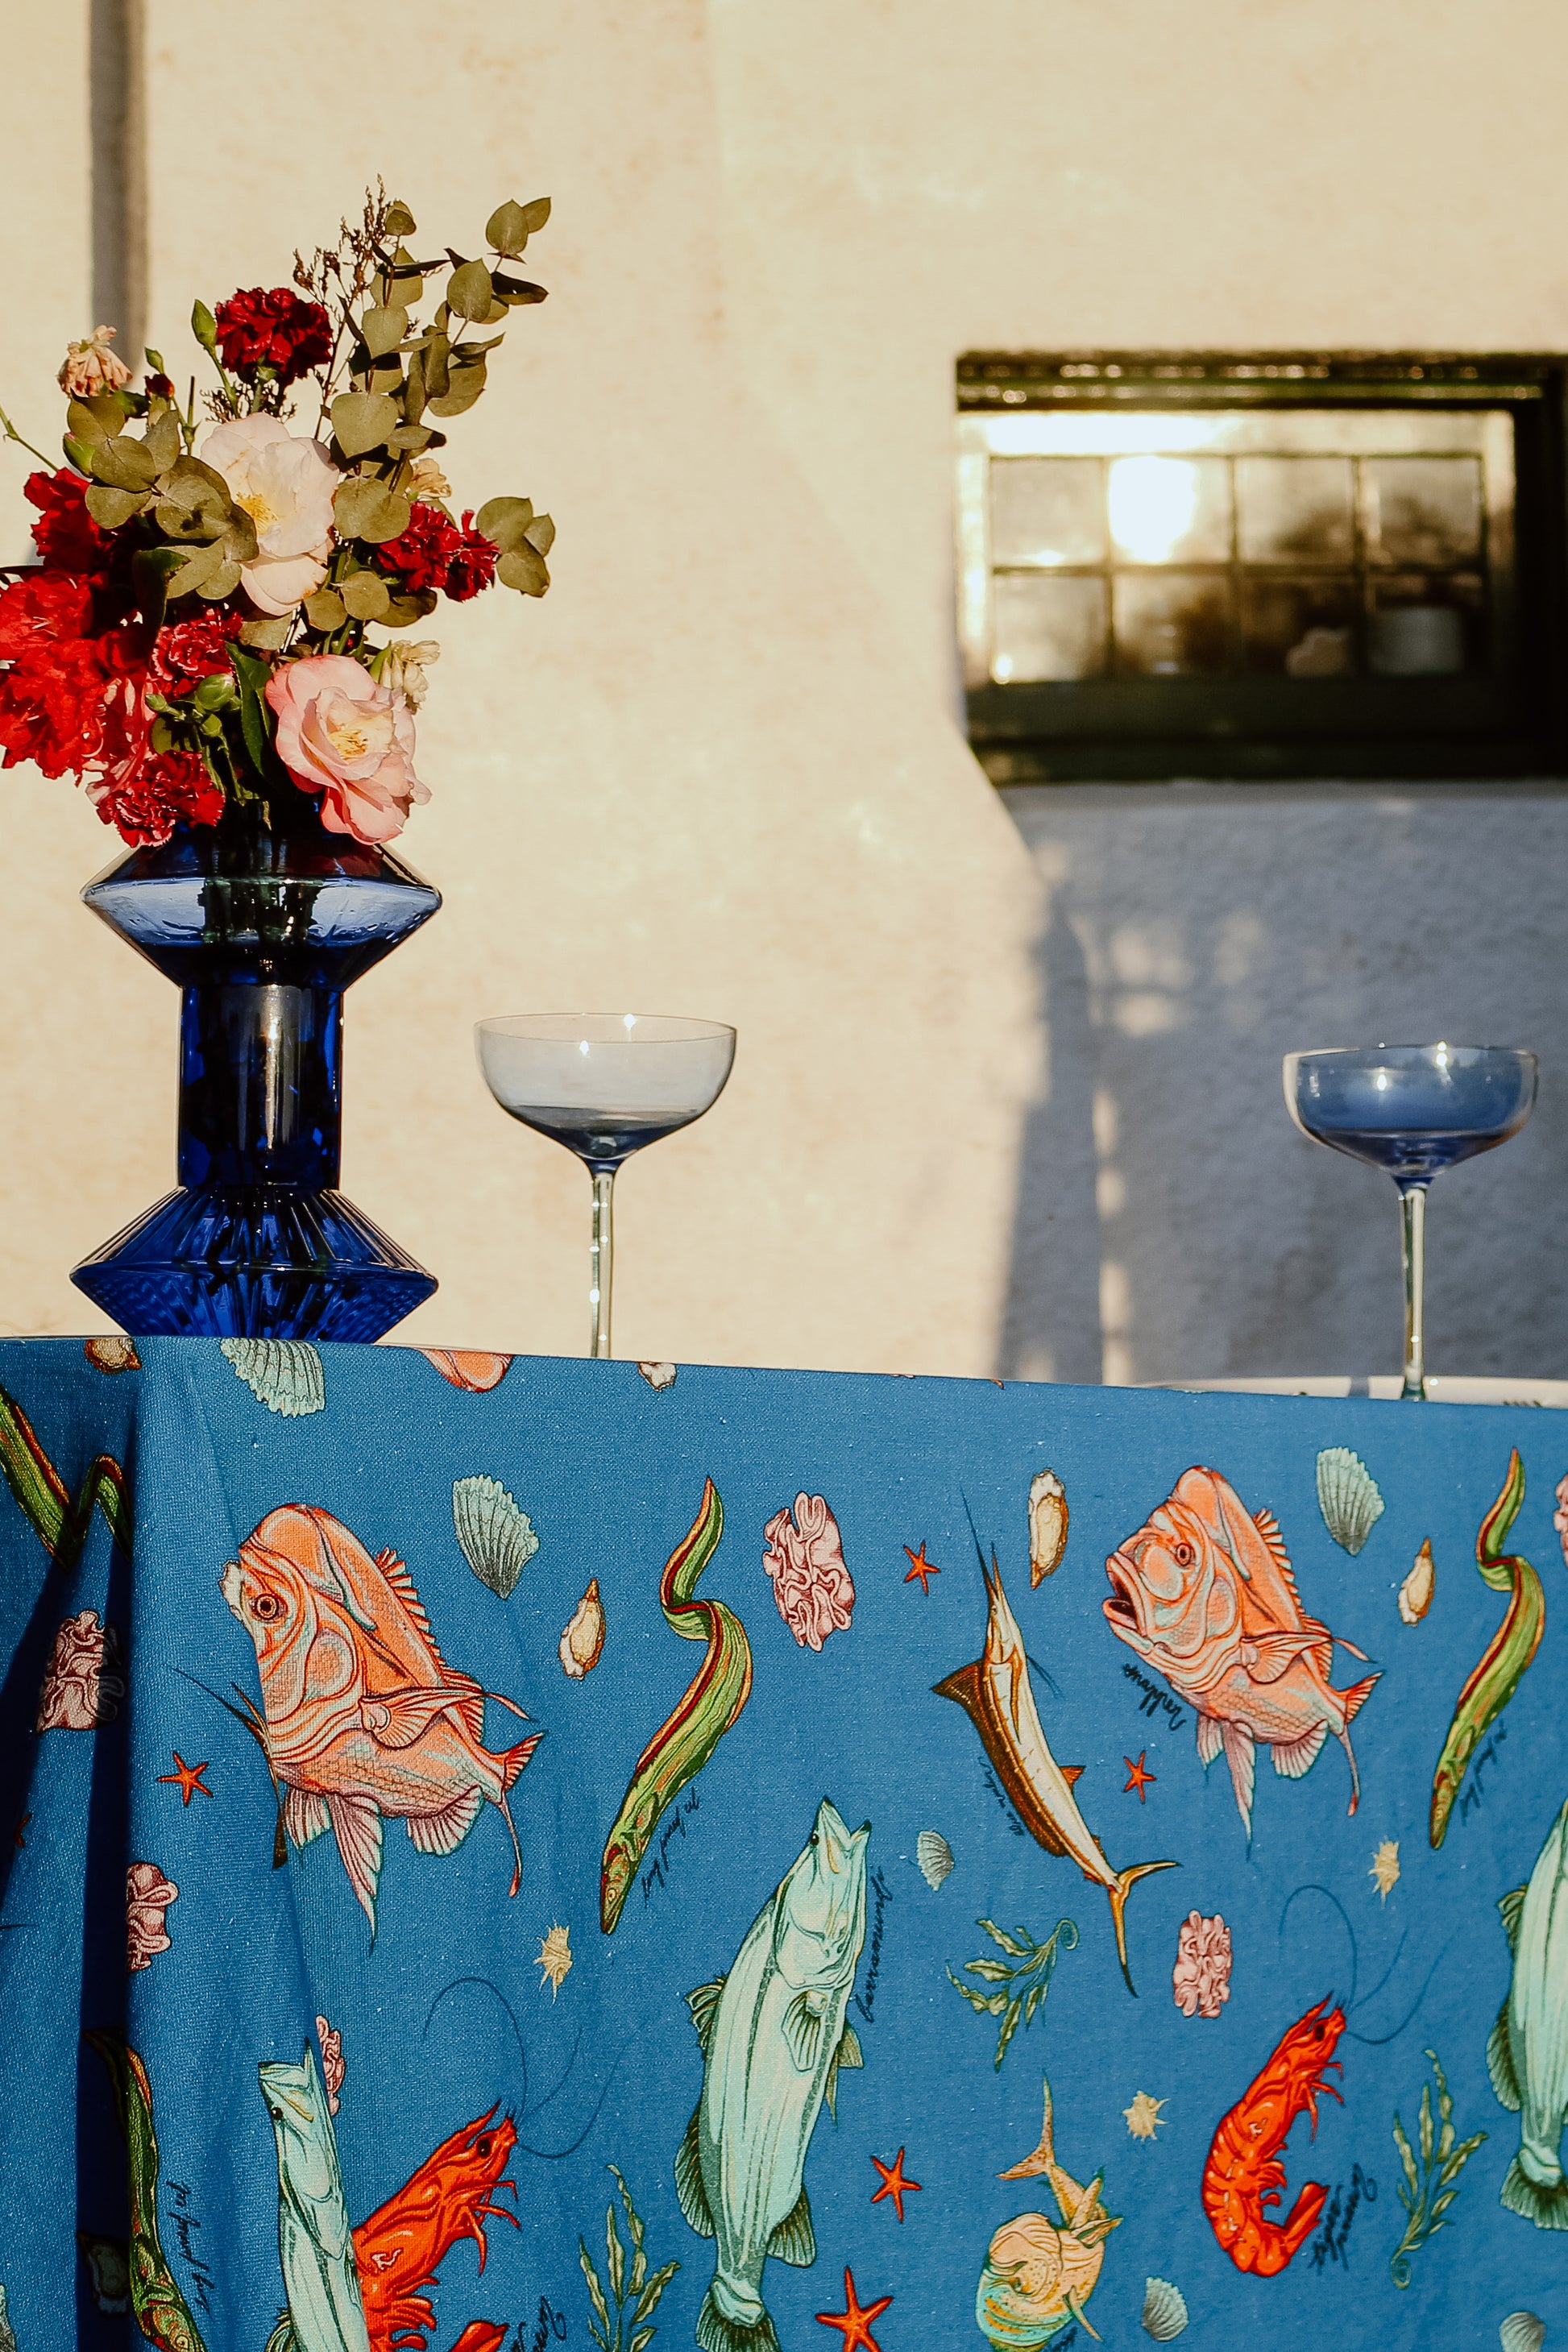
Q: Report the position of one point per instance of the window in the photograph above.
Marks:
(1265, 568)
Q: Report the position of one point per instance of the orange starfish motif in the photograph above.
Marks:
(855, 2321)
(187, 1775)
(920, 1565)
(1137, 1777)
(895, 2182)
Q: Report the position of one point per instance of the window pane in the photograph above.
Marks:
(1300, 628)
(1047, 511)
(1170, 624)
(1047, 629)
(1423, 626)
(1170, 509)
(1295, 510)
(1422, 509)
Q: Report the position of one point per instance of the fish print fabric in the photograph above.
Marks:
(384, 1971)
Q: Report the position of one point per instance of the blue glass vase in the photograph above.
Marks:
(261, 929)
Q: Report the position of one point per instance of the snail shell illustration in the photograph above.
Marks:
(1415, 1592)
(585, 1636)
(1047, 1524)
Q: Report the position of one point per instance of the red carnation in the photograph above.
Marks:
(436, 552)
(276, 331)
(66, 536)
(55, 691)
(146, 795)
(194, 649)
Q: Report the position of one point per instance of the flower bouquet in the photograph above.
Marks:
(215, 640)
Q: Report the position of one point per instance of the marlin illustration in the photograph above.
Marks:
(773, 2036)
(314, 2242)
(997, 1695)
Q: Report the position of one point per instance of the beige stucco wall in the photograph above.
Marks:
(699, 777)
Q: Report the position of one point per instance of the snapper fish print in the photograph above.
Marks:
(362, 1717)
(1204, 1594)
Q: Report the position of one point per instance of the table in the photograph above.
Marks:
(344, 1998)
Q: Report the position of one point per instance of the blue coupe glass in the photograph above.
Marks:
(1412, 1110)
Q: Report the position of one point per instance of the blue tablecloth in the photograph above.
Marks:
(341, 2001)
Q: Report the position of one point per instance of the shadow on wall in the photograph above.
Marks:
(1171, 1221)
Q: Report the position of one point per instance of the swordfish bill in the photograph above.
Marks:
(998, 1697)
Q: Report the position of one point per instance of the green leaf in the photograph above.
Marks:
(1425, 2129)
(993, 1971)
(523, 571)
(505, 520)
(326, 611)
(361, 421)
(507, 229)
(596, 2292)
(268, 633)
(437, 357)
(163, 443)
(410, 439)
(464, 385)
(649, 2300)
(382, 330)
(541, 534)
(204, 326)
(88, 422)
(369, 511)
(469, 291)
(978, 2001)
(643, 2337)
(403, 611)
(151, 570)
(1019, 1951)
(615, 2256)
(76, 453)
(1009, 2027)
(399, 220)
(516, 292)
(219, 582)
(408, 279)
(412, 401)
(367, 596)
(125, 464)
(536, 213)
(110, 509)
(1405, 2157)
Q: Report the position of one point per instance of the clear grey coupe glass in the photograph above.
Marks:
(1412, 1110)
(604, 1084)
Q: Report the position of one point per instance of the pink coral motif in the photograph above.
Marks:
(1560, 1516)
(333, 2068)
(80, 1687)
(1200, 1979)
(148, 1895)
(805, 1558)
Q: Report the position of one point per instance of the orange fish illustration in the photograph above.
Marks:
(361, 1717)
(1204, 1594)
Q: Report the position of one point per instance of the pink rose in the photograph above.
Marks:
(341, 734)
(80, 1688)
(286, 484)
(1201, 1978)
(148, 1895)
(804, 1559)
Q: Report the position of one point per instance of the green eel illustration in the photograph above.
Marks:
(1527, 2051)
(59, 1523)
(687, 1738)
(161, 2312)
(773, 2036)
(315, 2242)
(1502, 1663)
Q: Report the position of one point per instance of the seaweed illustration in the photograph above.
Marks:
(1427, 2196)
(1020, 1987)
(634, 2285)
(1502, 1663)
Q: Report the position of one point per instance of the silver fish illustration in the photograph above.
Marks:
(315, 2244)
(773, 2036)
(1527, 2054)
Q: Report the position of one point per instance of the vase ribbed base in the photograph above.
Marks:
(267, 1261)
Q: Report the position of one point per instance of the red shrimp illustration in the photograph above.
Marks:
(1242, 2173)
(401, 2247)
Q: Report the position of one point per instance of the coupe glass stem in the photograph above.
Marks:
(601, 1261)
(1413, 1209)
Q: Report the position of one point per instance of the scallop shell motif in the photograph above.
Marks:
(585, 1636)
(1415, 1592)
(1347, 1497)
(1047, 1524)
(285, 1375)
(1522, 2331)
(659, 1376)
(1165, 2310)
(497, 1537)
(934, 1856)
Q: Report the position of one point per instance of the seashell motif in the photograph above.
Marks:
(1347, 1497)
(585, 1636)
(554, 1958)
(934, 1856)
(1165, 2310)
(467, 1368)
(1415, 1592)
(1522, 2331)
(659, 1376)
(497, 1539)
(1047, 1524)
(112, 1355)
(285, 1375)
(1384, 1870)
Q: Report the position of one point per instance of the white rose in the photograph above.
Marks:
(285, 483)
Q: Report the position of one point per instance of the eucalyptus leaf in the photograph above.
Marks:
(163, 443)
(413, 399)
(523, 571)
(399, 220)
(221, 583)
(75, 452)
(536, 213)
(326, 611)
(198, 567)
(110, 507)
(369, 510)
(519, 290)
(541, 534)
(410, 439)
(150, 568)
(469, 291)
(125, 464)
(407, 276)
(86, 424)
(507, 229)
(272, 635)
(437, 357)
(361, 421)
(367, 596)
(386, 377)
(403, 611)
(464, 385)
(505, 520)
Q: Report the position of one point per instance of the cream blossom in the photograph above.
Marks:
(91, 366)
(341, 734)
(406, 669)
(426, 480)
(285, 483)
